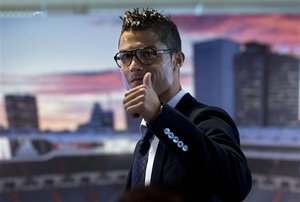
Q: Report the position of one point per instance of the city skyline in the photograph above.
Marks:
(65, 95)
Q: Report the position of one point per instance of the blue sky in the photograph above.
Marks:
(58, 44)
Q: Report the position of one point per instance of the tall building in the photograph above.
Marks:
(100, 120)
(22, 112)
(266, 87)
(213, 73)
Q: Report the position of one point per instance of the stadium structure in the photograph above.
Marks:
(93, 168)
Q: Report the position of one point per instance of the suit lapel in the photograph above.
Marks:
(129, 175)
(128, 179)
(185, 104)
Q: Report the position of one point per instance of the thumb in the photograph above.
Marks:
(147, 80)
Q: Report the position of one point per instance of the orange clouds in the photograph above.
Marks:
(79, 83)
(277, 30)
(3, 121)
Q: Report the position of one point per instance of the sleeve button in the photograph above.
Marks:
(185, 148)
(171, 135)
(175, 139)
(180, 144)
(167, 131)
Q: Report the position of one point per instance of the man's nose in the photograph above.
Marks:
(135, 65)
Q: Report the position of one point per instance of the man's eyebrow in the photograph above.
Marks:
(128, 50)
(123, 51)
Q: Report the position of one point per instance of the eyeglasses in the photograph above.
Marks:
(145, 56)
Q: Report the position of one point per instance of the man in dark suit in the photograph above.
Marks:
(187, 147)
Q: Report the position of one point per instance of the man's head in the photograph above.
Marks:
(152, 20)
(150, 42)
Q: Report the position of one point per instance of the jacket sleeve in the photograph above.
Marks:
(206, 141)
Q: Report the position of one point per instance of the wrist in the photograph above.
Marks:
(156, 114)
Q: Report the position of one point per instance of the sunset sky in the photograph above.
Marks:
(67, 60)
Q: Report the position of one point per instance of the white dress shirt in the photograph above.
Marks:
(154, 141)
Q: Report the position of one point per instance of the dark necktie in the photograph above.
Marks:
(140, 159)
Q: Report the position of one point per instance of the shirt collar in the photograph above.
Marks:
(174, 100)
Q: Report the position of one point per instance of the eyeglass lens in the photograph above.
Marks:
(145, 56)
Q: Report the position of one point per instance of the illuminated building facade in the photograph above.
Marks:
(22, 112)
(266, 87)
(213, 73)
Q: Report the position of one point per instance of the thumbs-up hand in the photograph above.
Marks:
(147, 80)
(142, 100)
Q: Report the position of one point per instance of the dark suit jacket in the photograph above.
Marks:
(208, 165)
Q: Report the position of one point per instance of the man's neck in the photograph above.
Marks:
(167, 96)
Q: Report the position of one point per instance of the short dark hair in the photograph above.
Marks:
(150, 19)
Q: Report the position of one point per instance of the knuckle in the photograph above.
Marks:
(142, 90)
(142, 98)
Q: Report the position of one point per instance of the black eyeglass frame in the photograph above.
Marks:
(134, 53)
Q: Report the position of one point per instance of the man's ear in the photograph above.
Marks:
(178, 60)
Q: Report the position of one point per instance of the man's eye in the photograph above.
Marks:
(125, 56)
(148, 53)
